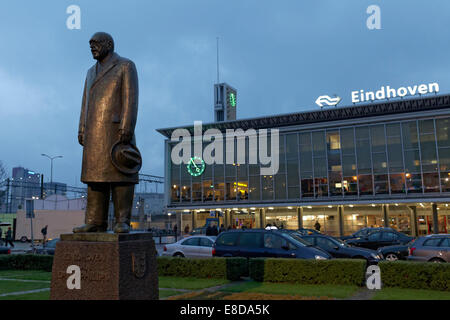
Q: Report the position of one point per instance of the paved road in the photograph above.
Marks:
(20, 247)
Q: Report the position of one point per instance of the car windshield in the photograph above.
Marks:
(337, 242)
(361, 233)
(296, 239)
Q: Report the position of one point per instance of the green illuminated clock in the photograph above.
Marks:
(196, 166)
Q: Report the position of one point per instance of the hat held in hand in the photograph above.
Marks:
(126, 158)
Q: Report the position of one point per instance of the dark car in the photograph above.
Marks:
(306, 231)
(339, 249)
(395, 252)
(380, 238)
(5, 250)
(433, 248)
(252, 243)
(364, 232)
(49, 248)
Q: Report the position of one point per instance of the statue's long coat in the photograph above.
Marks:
(110, 103)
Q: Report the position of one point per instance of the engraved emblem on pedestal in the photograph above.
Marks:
(138, 264)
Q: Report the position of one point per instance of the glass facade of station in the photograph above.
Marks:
(377, 170)
(377, 161)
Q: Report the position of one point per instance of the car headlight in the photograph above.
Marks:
(375, 256)
(320, 258)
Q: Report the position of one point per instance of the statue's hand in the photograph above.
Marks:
(81, 139)
(125, 137)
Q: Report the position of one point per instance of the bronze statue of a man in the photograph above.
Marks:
(111, 160)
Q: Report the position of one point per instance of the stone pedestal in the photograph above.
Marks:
(113, 267)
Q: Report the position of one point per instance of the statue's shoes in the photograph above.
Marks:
(121, 228)
(89, 228)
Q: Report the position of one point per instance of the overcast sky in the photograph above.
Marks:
(279, 55)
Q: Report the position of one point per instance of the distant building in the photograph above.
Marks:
(24, 184)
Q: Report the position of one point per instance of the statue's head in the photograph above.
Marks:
(101, 44)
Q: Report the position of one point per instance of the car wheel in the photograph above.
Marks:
(437, 260)
(391, 257)
(23, 239)
(178, 255)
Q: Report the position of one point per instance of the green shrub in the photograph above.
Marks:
(415, 275)
(236, 268)
(26, 262)
(224, 268)
(305, 271)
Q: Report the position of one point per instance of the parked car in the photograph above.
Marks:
(395, 252)
(198, 231)
(252, 243)
(380, 238)
(434, 248)
(364, 232)
(306, 231)
(5, 250)
(191, 247)
(49, 248)
(339, 249)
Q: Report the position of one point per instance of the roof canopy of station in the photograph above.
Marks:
(326, 114)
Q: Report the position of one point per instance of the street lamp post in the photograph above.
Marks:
(169, 214)
(51, 164)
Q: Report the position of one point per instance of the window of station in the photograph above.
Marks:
(175, 182)
(306, 168)
(334, 163)
(284, 218)
(292, 168)
(350, 180)
(358, 217)
(327, 218)
(363, 156)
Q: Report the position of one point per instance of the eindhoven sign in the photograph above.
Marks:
(387, 92)
(383, 93)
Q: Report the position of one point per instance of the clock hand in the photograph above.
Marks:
(194, 164)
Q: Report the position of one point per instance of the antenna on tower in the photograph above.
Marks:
(217, 42)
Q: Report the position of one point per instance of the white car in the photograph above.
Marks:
(191, 247)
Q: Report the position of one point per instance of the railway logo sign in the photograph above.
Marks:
(327, 100)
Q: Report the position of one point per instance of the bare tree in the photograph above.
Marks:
(3, 174)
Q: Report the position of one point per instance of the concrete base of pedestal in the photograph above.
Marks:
(112, 267)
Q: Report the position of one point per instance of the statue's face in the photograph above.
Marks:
(99, 48)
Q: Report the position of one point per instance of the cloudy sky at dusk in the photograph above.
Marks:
(279, 55)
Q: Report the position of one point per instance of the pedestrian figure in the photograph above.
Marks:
(186, 229)
(44, 235)
(222, 228)
(317, 225)
(209, 231)
(8, 238)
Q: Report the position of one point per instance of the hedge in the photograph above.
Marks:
(415, 275)
(305, 271)
(26, 262)
(225, 268)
